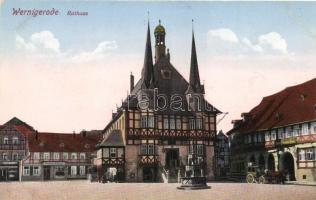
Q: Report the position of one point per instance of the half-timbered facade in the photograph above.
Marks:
(13, 148)
(162, 119)
(279, 134)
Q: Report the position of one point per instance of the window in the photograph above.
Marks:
(305, 129)
(280, 133)
(273, 135)
(151, 149)
(36, 171)
(112, 152)
(199, 149)
(259, 137)
(73, 170)
(314, 128)
(143, 149)
(301, 154)
(296, 131)
(288, 132)
(120, 152)
(172, 123)
(36, 156)
(65, 156)
(178, 124)
(143, 121)
(199, 123)
(249, 138)
(192, 124)
(82, 156)
(26, 171)
(165, 123)
(60, 171)
(15, 140)
(151, 121)
(309, 154)
(147, 121)
(82, 170)
(5, 140)
(56, 156)
(74, 156)
(15, 156)
(46, 156)
(267, 136)
(5, 156)
(255, 138)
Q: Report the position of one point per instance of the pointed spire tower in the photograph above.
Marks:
(148, 67)
(194, 80)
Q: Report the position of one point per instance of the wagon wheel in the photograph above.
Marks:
(250, 178)
(262, 180)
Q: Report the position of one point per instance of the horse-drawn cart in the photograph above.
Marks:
(256, 175)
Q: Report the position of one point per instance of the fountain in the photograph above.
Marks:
(194, 178)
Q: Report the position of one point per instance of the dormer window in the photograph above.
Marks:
(5, 140)
(166, 74)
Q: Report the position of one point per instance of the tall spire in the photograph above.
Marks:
(148, 69)
(194, 81)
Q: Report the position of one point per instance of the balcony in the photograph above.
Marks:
(12, 146)
(148, 159)
(154, 133)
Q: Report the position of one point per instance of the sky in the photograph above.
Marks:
(67, 73)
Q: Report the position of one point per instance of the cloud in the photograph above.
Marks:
(44, 44)
(102, 49)
(223, 34)
(41, 42)
(225, 41)
(273, 40)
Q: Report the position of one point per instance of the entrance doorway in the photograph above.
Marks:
(253, 160)
(172, 158)
(261, 162)
(149, 174)
(46, 172)
(271, 165)
(288, 166)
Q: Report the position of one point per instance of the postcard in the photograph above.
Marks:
(157, 100)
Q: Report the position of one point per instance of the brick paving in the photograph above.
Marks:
(82, 190)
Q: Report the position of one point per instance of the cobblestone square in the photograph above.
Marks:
(83, 190)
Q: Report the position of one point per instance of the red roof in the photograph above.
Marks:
(26, 131)
(292, 105)
(62, 142)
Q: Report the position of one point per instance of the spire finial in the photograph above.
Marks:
(148, 16)
(159, 21)
(192, 25)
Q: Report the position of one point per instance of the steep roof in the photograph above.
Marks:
(290, 106)
(62, 142)
(16, 121)
(114, 139)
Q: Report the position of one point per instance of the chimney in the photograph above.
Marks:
(74, 134)
(36, 135)
(131, 82)
(236, 122)
(84, 133)
(245, 116)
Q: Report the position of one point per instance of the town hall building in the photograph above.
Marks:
(161, 124)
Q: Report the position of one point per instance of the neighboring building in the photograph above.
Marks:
(279, 134)
(163, 120)
(58, 156)
(13, 148)
(222, 155)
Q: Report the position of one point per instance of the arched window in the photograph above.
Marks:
(15, 140)
(6, 140)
